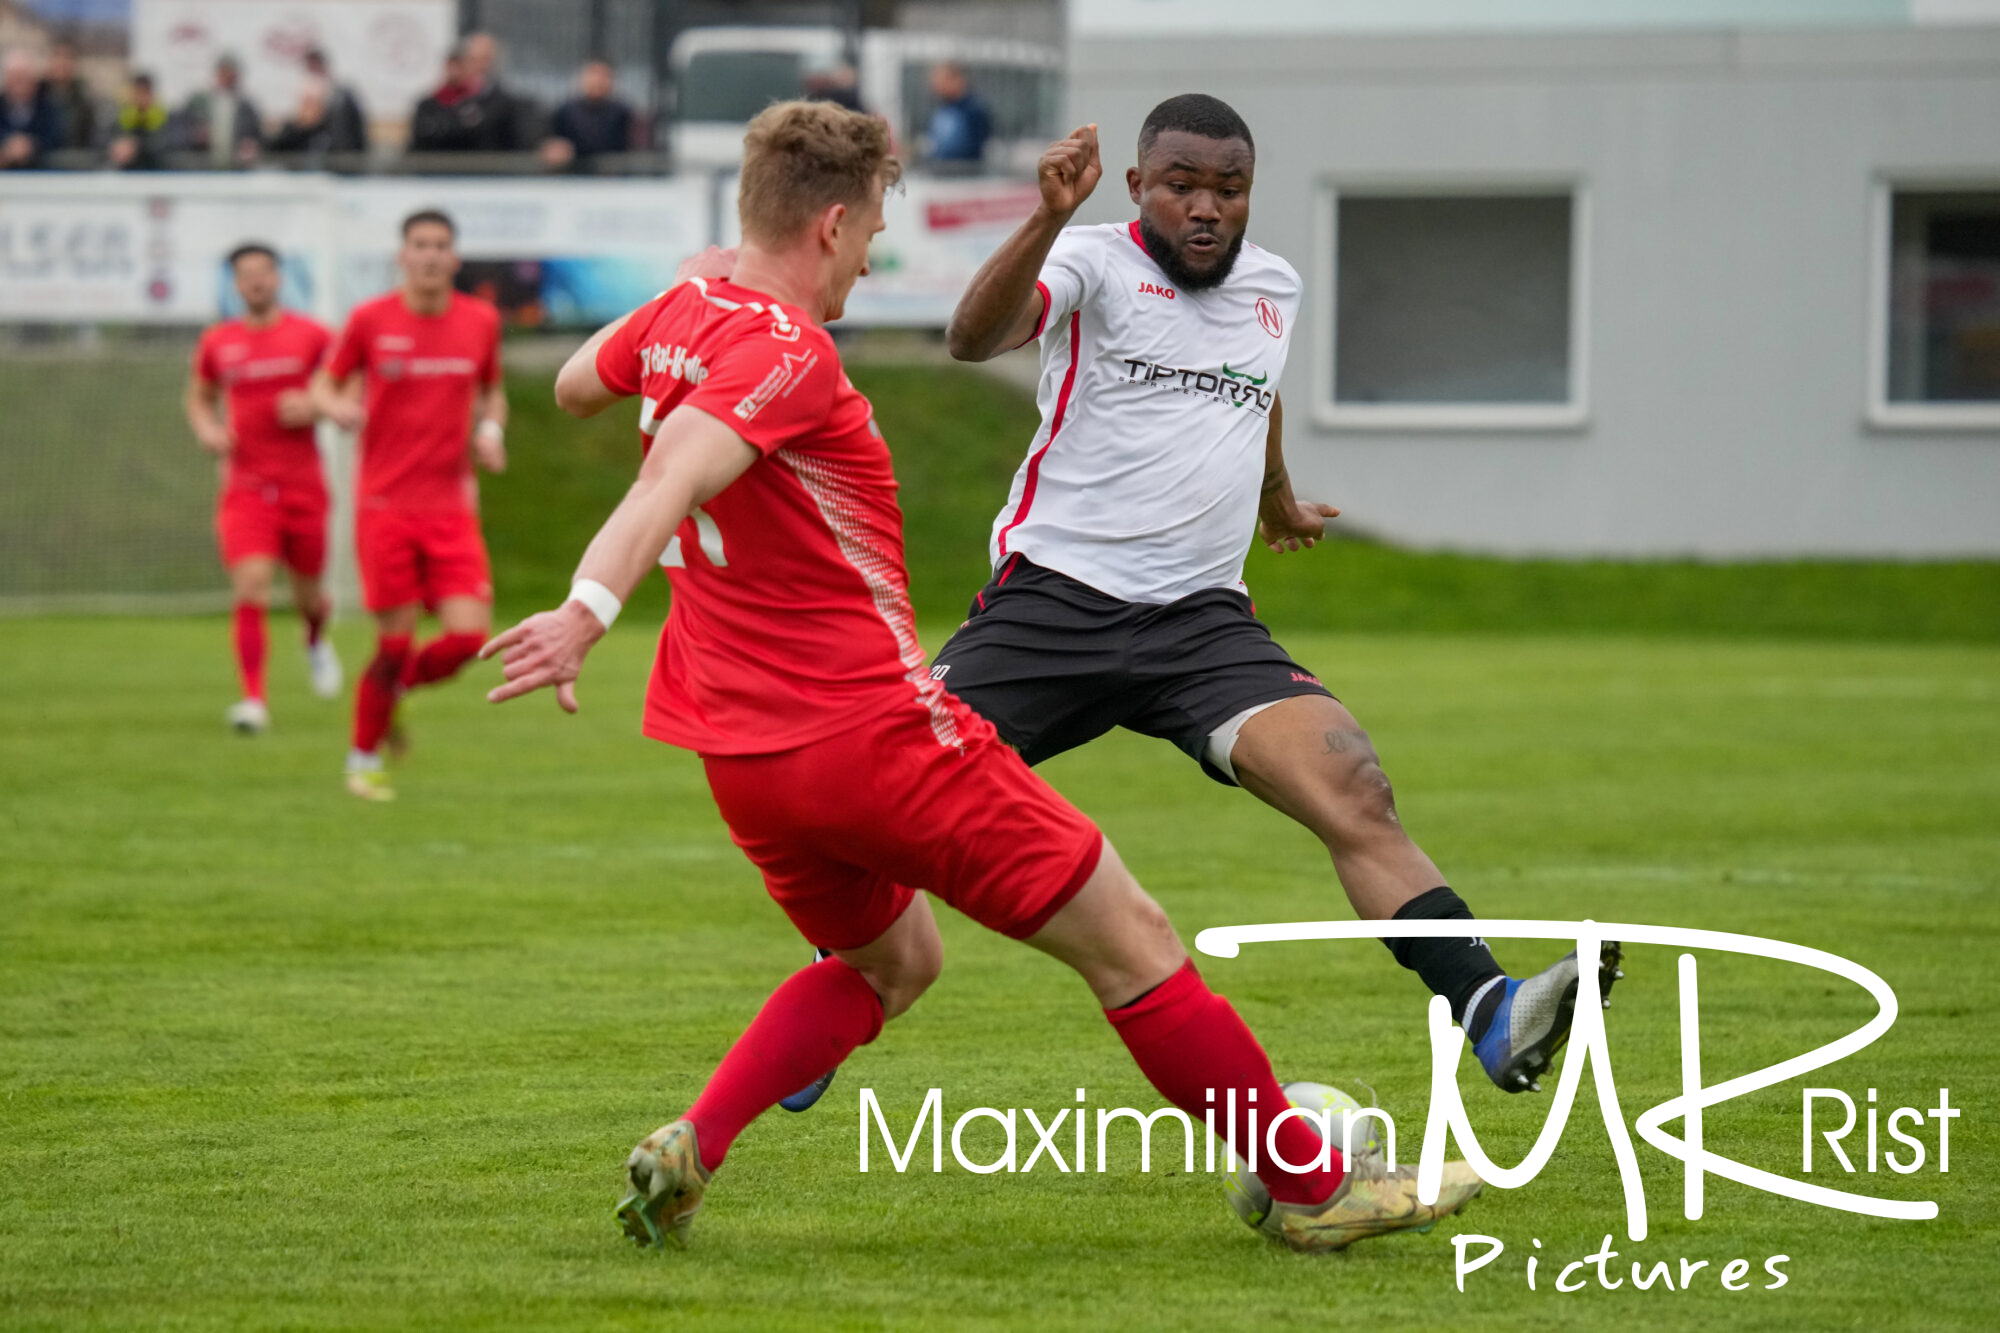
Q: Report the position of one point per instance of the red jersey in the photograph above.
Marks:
(255, 366)
(791, 615)
(424, 372)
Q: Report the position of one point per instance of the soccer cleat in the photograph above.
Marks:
(323, 669)
(370, 784)
(248, 717)
(803, 1099)
(1533, 1020)
(1373, 1201)
(667, 1184)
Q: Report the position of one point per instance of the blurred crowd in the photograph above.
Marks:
(51, 119)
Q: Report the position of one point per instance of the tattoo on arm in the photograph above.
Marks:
(1274, 479)
(1340, 742)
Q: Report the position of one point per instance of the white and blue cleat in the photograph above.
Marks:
(1534, 1017)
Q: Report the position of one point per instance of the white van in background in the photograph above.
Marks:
(724, 76)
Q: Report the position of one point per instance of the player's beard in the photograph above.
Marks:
(1170, 261)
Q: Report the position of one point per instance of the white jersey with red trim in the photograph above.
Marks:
(1144, 477)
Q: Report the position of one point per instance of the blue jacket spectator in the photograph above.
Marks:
(961, 124)
(590, 123)
(31, 124)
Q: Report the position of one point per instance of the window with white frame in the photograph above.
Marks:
(1455, 307)
(1937, 331)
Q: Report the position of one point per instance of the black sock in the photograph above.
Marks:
(1452, 967)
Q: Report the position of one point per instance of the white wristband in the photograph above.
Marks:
(597, 599)
(489, 429)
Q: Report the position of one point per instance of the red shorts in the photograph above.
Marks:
(848, 828)
(286, 523)
(409, 556)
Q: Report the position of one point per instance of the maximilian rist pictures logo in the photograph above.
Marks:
(1904, 1140)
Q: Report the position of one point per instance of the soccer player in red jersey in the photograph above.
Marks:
(848, 775)
(273, 504)
(430, 357)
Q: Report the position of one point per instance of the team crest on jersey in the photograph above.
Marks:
(1268, 316)
(672, 360)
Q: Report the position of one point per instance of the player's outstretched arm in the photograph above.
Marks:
(1001, 307)
(580, 390)
(1284, 522)
(693, 459)
(204, 416)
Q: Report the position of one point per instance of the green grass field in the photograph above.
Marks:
(140, 521)
(273, 1058)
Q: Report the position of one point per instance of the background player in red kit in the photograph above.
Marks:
(273, 504)
(430, 357)
(851, 778)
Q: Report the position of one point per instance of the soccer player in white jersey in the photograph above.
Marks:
(1117, 596)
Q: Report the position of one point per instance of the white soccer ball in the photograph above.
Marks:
(1247, 1195)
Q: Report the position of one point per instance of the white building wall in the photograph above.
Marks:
(1730, 178)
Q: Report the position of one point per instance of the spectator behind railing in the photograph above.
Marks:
(313, 128)
(591, 123)
(139, 139)
(73, 97)
(835, 82)
(31, 124)
(961, 124)
(220, 121)
(343, 105)
(470, 111)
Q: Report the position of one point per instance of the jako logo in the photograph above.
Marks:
(1154, 289)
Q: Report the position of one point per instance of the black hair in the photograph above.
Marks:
(437, 215)
(248, 248)
(1197, 114)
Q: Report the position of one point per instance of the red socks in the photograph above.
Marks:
(381, 684)
(1189, 1041)
(250, 648)
(808, 1026)
(441, 658)
(315, 618)
(396, 668)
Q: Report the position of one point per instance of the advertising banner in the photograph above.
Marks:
(151, 249)
(548, 253)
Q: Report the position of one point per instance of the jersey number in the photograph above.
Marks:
(711, 544)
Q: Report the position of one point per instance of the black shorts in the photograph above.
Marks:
(1053, 663)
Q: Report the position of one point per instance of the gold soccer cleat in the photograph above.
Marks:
(370, 784)
(1373, 1201)
(667, 1184)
